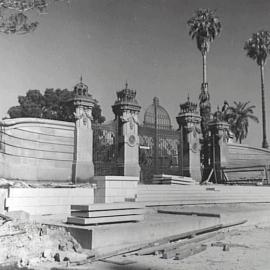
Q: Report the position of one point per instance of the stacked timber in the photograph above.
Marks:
(102, 213)
(165, 179)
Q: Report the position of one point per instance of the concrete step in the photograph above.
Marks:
(102, 220)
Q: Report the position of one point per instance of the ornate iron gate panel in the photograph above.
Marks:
(159, 152)
(105, 149)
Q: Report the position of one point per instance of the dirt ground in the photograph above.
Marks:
(249, 246)
(251, 254)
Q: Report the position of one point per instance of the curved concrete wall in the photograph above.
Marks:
(36, 149)
(239, 155)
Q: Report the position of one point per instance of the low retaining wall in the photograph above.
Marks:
(196, 194)
(240, 155)
(36, 149)
(44, 201)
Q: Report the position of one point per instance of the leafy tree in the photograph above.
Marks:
(96, 113)
(54, 104)
(238, 117)
(15, 15)
(258, 49)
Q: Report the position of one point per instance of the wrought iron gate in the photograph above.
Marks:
(159, 152)
(105, 149)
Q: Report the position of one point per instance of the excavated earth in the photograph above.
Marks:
(31, 245)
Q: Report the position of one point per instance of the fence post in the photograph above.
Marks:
(83, 168)
(219, 137)
(189, 124)
(126, 110)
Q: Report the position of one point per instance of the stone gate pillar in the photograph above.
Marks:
(189, 122)
(220, 135)
(83, 168)
(126, 110)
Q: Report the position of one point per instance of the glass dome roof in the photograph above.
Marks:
(162, 117)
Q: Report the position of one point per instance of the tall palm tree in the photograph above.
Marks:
(258, 49)
(204, 26)
(238, 117)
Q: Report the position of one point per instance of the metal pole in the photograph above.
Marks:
(155, 137)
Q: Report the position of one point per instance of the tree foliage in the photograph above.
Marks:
(238, 117)
(258, 47)
(53, 104)
(204, 26)
(15, 15)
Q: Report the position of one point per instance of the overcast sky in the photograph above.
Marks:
(145, 42)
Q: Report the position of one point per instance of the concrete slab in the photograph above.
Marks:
(112, 236)
(102, 220)
(107, 206)
(108, 213)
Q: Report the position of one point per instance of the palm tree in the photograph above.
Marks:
(204, 26)
(258, 49)
(238, 117)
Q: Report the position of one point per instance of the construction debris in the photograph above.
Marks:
(184, 253)
(171, 247)
(222, 244)
(28, 243)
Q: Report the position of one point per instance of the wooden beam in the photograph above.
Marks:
(170, 252)
(140, 246)
(189, 213)
(169, 248)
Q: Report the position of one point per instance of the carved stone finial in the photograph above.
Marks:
(188, 106)
(126, 99)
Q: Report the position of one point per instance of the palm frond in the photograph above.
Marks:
(258, 47)
(205, 26)
(238, 116)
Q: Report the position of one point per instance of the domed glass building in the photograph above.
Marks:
(156, 116)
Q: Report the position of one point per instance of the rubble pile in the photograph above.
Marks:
(29, 244)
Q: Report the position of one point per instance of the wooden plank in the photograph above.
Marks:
(118, 261)
(170, 252)
(108, 213)
(189, 213)
(173, 246)
(101, 220)
(43, 201)
(134, 248)
(222, 244)
(107, 206)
